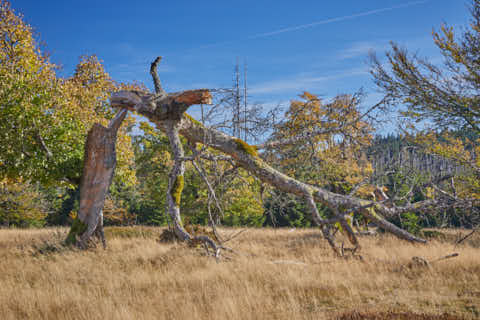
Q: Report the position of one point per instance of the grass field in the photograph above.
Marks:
(275, 274)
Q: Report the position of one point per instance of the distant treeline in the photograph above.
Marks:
(393, 151)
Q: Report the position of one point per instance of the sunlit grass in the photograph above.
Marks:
(276, 274)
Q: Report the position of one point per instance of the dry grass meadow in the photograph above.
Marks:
(276, 274)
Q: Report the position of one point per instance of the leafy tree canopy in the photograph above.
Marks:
(44, 119)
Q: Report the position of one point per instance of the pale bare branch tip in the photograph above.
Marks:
(155, 77)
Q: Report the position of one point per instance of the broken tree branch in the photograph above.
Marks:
(98, 169)
(465, 237)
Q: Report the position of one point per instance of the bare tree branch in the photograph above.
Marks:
(156, 79)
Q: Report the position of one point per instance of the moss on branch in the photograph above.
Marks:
(177, 189)
(192, 119)
(77, 229)
(245, 147)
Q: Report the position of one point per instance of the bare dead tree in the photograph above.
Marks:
(245, 104)
(237, 102)
(167, 112)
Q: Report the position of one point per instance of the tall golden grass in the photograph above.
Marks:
(275, 274)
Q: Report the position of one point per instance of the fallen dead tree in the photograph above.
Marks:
(167, 111)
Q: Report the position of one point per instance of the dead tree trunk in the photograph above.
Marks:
(98, 169)
(176, 180)
(175, 188)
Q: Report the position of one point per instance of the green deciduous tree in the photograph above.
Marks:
(28, 88)
(44, 119)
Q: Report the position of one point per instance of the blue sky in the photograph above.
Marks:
(289, 46)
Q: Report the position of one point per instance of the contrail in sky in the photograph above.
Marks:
(327, 21)
(321, 22)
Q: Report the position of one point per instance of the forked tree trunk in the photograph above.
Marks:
(98, 169)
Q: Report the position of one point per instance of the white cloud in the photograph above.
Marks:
(303, 82)
(361, 49)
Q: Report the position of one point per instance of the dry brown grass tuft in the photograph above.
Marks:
(276, 274)
(355, 315)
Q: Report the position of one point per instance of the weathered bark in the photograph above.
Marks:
(175, 187)
(98, 169)
(160, 106)
(247, 157)
(176, 180)
(156, 80)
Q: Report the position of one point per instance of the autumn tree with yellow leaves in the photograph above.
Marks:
(44, 119)
(334, 158)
